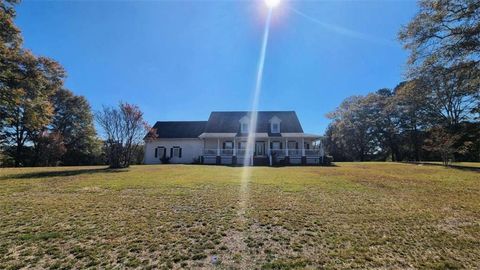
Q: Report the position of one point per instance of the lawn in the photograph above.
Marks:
(353, 215)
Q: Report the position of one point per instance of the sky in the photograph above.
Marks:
(180, 60)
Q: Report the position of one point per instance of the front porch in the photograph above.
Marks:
(231, 149)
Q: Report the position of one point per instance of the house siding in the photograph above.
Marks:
(191, 149)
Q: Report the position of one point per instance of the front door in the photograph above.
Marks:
(259, 148)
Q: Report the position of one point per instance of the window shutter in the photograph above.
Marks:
(223, 145)
(296, 145)
(180, 152)
(271, 145)
(156, 152)
(171, 152)
(164, 152)
(281, 145)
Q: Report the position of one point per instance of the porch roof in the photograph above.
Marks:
(257, 135)
(208, 135)
(301, 135)
(216, 135)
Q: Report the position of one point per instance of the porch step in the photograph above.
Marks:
(261, 161)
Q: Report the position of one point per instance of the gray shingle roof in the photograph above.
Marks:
(228, 122)
(179, 129)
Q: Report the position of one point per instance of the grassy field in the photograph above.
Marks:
(353, 215)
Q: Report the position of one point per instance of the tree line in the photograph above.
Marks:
(434, 114)
(42, 123)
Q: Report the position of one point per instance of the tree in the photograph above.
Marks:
(445, 143)
(9, 33)
(26, 109)
(452, 93)
(10, 41)
(124, 129)
(444, 33)
(351, 129)
(73, 120)
(49, 149)
(411, 101)
(444, 43)
(385, 118)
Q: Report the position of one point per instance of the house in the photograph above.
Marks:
(279, 139)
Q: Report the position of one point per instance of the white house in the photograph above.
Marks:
(279, 139)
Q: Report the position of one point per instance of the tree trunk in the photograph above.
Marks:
(18, 153)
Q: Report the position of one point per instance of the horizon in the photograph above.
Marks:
(177, 60)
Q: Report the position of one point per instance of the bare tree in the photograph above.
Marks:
(124, 129)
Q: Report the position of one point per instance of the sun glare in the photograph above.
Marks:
(272, 3)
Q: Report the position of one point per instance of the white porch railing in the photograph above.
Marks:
(295, 152)
(226, 152)
(241, 152)
(210, 152)
(215, 152)
(313, 152)
(277, 152)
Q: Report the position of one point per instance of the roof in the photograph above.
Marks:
(229, 122)
(179, 129)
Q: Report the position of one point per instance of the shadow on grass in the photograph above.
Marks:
(60, 173)
(459, 167)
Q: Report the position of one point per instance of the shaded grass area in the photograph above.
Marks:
(471, 166)
(354, 215)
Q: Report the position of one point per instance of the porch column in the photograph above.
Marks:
(218, 146)
(268, 147)
(303, 147)
(234, 147)
(286, 147)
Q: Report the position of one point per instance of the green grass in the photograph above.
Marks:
(354, 215)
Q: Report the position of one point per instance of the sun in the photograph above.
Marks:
(272, 3)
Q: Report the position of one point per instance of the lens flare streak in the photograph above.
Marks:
(248, 160)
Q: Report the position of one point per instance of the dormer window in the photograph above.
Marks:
(244, 128)
(275, 128)
(244, 123)
(275, 124)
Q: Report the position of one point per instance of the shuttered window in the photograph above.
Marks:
(160, 152)
(176, 151)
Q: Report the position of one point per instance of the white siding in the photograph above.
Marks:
(191, 149)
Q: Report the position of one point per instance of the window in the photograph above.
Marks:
(176, 151)
(244, 127)
(160, 152)
(292, 145)
(275, 127)
(242, 145)
(228, 145)
(276, 145)
(275, 124)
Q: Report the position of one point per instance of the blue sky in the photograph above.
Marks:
(180, 60)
